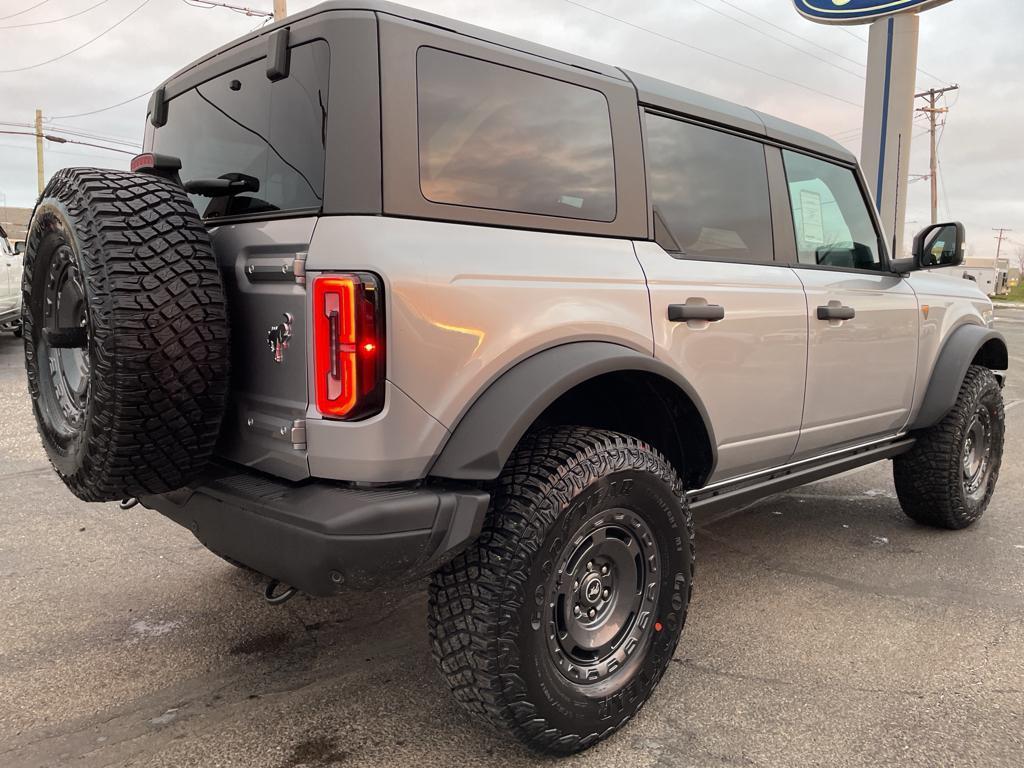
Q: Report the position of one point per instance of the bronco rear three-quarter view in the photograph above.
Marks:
(388, 296)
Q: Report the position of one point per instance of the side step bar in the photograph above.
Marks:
(730, 494)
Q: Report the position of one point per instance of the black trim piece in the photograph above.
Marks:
(681, 313)
(484, 437)
(830, 312)
(158, 107)
(321, 536)
(729, 496)
(950, 369)
(278, 55)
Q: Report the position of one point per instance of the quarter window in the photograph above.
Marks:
(709, 190)
(495, 137)
(833, 225)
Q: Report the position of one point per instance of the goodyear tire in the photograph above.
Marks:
(125, 331)
(557, 625)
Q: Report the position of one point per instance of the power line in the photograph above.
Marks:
(210, 4)
(103, 109)
(62, 140)
(79, 134)
(53, 21)
(30, 8)
(763, 20)
(712, 53)
(137, 8)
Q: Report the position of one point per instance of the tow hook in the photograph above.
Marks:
(128, 502)
(280, 598)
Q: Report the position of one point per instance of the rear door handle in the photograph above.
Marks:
(836, 312)
(679, 313)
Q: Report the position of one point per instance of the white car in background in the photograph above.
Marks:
(10, 285)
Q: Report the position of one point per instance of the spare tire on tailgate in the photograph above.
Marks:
(126, 333)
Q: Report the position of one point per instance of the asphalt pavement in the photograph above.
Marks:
(826, 630)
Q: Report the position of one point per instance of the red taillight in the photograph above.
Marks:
(145, 160)
(348, 341)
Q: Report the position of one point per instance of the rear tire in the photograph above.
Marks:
(946, 480)
(126, 333)
(557, 625)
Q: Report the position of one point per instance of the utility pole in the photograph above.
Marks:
(280, 9)
(932, 95)
(999, 240)
(41, 177)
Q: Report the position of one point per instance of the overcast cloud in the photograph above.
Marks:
(975, 43)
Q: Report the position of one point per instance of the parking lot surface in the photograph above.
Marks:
(826, 629)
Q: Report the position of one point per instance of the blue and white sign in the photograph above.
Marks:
(858, 11)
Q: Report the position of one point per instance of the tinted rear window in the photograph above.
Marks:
(241, 122)
(495, 137)
(709, 190)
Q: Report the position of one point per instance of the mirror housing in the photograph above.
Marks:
(935, 246)
(19, 247)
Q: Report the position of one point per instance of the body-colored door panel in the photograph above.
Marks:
(750, 366)
(860, 372)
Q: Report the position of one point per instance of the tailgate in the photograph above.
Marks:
(264, 425)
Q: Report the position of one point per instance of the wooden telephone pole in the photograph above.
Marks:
(41, 176)
(932, 110)
(999, 240)
(280, 9)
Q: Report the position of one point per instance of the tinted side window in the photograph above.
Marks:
(833, 225)
(495, 137)
(241, 122)
(709, 190)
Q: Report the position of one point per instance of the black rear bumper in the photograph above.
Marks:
(321, 537)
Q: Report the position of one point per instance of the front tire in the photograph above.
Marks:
(946, 480)
(557, 625)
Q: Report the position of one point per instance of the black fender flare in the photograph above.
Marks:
(950, 369)
(485, 436)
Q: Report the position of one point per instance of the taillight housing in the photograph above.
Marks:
(348, 344)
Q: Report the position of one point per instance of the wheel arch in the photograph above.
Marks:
(967, 345)
(596, 384)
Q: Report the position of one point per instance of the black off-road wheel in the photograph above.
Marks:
(557, 625)
(946, 480)
(126, 333)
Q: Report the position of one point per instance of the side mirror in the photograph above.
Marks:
(939, 245)
(19, 247)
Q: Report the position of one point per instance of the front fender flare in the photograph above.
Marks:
(950, 369)
(484, 438)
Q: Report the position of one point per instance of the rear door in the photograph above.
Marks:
(863, 319)
(729, 317)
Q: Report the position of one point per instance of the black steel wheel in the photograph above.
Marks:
(557, 625)
(946, 480)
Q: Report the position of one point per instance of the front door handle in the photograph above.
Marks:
(680, 313)
(836, 312)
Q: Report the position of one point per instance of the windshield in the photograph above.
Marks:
(242, 123)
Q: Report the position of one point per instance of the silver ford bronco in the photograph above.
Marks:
(388, 296)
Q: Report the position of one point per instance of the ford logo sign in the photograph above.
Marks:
(858, 11)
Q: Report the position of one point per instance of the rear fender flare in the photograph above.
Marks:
(486, 435)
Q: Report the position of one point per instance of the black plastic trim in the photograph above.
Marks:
(320, 536)
(279, 57)
(727, 496)
(950, 369)
(485, 436)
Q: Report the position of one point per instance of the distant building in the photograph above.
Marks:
(15, 222)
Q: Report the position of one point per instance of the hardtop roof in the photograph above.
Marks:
(650, 91)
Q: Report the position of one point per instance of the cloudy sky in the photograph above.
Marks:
(975, 43)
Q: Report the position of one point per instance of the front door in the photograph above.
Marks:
(724, 313)
(862, 319)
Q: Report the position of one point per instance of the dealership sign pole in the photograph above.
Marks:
(888, 95)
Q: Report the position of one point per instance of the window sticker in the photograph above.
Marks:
(810, 215)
